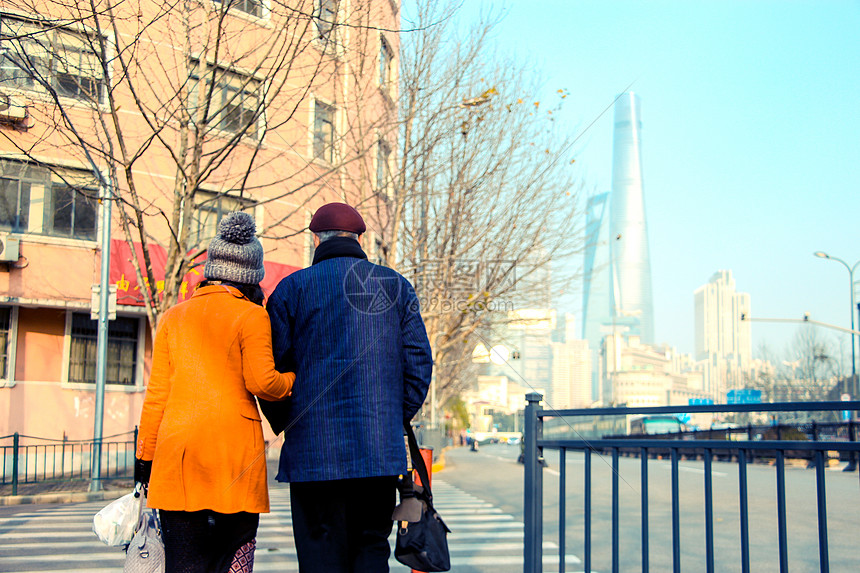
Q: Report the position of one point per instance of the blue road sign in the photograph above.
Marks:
(743, 396)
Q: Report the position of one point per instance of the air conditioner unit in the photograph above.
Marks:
(8, 248)
(12, 108)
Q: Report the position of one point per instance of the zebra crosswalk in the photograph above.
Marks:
(60, 538)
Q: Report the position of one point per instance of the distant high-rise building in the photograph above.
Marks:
(617, 290)
(723, 341)
(628, 232)
(571, 369)
(597, 288)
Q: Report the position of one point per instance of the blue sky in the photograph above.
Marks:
(751, 140)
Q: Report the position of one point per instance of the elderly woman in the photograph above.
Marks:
(200, 432)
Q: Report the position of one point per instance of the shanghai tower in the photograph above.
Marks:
(632, 301)
(617, 289)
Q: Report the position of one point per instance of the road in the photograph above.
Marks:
(493, 475)
(480, 495)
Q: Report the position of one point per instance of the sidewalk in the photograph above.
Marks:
(78, 491)
(63, 492)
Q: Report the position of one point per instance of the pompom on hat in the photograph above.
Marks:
(337, 217)
(235, 254)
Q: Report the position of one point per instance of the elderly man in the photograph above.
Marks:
(352, 332)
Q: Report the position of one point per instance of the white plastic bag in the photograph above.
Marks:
(115, 523)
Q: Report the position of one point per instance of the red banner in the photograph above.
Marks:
(123, 275)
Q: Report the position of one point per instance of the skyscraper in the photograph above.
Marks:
(628, 232)
(617, 290)
(723, 340)
(596, 292)
(571, 368)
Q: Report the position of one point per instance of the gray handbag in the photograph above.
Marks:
(145, 553)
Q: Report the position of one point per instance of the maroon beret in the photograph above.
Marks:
(337, 217)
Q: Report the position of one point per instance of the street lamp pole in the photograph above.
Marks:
(854, 390)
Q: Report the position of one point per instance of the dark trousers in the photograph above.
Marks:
(204, 541)
(342, 526)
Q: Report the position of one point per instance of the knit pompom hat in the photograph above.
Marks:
(235, 254)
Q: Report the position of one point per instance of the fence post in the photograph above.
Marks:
(533, 502)
(134, 449)
(15, 441)
(812, 461)
(852, 456)
(63, 457)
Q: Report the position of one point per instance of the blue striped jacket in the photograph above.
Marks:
(352, 332)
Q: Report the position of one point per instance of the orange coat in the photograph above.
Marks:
(200, 424)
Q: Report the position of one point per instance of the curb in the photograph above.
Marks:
(68, 497)
(440, 464)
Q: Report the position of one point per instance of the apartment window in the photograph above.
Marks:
(35, 56)
(383, 171)
(324, 132)
(386, 57)
(235, 100)
(5, 340)
(59, 202)
(14, 205)
(121, 352)
(325, 16)
(252, 7)
(211, 208)
(73, 212)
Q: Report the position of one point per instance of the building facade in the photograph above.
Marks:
(174, 118)
(571, 368)
(644, 375)
(723, 342)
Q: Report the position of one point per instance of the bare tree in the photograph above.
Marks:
(482, 200)
(182, 110)
(810, 368)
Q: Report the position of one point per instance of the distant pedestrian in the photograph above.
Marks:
(200, 431)
(353, 332)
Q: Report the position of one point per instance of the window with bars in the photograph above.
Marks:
(235, 104)
(39, 57)
(324, 131)
(5, 340)
(121, 365)
(383, 169)
(56, 202)
(252, 7)
(210, 209)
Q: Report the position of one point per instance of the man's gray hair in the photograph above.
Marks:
(324, 236)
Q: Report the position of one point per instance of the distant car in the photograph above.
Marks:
(513, 441)
(655, 424)
(723, 426)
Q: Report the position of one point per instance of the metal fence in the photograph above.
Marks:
(741, 450)
(30, 459)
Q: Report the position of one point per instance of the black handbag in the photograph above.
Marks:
(422, 545)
